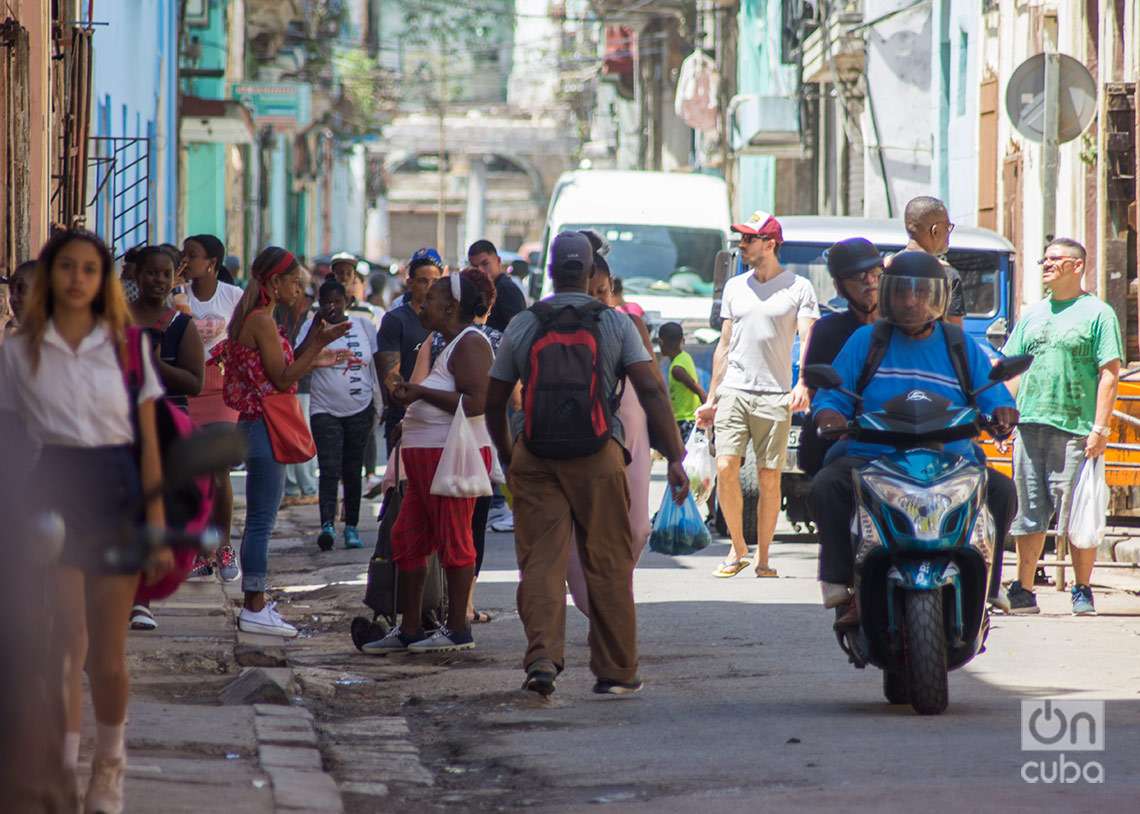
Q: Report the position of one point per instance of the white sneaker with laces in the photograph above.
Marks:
(267, 622)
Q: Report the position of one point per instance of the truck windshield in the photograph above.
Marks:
(673, 261)
(978, 269)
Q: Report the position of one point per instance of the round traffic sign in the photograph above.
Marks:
(1025, 98)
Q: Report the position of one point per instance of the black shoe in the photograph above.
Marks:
(327, 538)
(540, 678)
(1021, 601)
(1042, 579)
(605, 686)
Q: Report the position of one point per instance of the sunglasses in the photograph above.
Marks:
(746, 239)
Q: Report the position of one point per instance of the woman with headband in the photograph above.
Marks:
(430, 523)
(259, 361)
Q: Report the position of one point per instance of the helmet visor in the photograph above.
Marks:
(912, 302)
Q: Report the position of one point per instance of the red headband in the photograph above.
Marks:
(286, 262)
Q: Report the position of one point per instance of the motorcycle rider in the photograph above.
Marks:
(913, 293)
(855, 266)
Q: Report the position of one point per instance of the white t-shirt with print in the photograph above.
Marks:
(764, 319)
(212, 317)
(344, 390)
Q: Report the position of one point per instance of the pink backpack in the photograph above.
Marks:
(188, 508)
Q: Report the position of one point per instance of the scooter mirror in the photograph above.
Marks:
(822, 377)
(1010, 367)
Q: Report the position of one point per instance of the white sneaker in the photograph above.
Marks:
(501, 520)
(267, 622)
(105, 789)
(142, 618)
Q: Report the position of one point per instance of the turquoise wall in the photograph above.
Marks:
(760, 72)
(203, 188)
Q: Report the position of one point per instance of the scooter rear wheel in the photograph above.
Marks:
(926, 652)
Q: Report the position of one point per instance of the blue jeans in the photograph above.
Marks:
(264, 488)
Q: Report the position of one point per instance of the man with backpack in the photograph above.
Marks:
(910, 347)
(567, 469)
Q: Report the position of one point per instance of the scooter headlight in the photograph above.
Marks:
(925, 508)
(983, 536)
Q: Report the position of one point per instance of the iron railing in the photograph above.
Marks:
(121, 166)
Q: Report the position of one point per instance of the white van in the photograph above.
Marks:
(664, 230)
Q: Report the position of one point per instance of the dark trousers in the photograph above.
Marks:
(833, 504)
(340, 456)
(479, 528)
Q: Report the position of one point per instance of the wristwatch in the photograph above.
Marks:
(1100, 429)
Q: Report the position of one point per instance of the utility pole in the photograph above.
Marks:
(441, 214)
(1050, 151)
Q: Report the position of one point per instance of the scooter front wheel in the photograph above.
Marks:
(926, 652)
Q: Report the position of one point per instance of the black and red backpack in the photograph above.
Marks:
(568, 412)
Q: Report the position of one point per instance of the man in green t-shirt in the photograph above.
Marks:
(1065, 400)
(685, 391)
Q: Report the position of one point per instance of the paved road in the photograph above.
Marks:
(749, 705)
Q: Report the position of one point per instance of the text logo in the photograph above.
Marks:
(1052, 725)
(917, 395)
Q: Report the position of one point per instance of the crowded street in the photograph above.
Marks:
(749, 705)
(640, 406)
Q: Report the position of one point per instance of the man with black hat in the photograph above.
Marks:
(855, 265)
(913, 296)
(567, 471)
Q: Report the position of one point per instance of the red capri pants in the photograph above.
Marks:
(429, 523)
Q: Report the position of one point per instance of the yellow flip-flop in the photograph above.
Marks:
(730, 569)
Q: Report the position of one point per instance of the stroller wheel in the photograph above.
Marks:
(366, 630)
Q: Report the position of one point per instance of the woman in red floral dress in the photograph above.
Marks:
(259, 361)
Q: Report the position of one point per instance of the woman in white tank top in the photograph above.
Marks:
(433, 524)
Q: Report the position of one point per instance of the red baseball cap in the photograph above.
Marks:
(761, 224)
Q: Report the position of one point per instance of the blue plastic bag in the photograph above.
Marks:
(678, 530)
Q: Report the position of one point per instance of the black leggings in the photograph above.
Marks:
(833, 504)
(340, 456)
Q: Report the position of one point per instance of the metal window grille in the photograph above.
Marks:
(121, 168)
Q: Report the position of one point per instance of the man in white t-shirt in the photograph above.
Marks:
(751, 399)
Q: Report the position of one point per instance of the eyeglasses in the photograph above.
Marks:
(746, 239)
(949, 226)
(1055, 260)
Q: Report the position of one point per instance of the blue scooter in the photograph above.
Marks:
(923, 540)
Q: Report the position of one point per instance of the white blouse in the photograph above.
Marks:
(76, 398)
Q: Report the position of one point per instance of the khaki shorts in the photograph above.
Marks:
(763, 420)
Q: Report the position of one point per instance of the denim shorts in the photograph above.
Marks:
(1046, 462)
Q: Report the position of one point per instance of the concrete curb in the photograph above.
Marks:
(286, 734)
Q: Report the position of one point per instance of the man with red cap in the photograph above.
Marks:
(751, 399)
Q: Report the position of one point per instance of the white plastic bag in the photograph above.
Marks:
(461, 471)
(700, 466)
(1088, 517)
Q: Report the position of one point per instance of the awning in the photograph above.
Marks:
(217, 121)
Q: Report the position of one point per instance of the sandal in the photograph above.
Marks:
(730, 569)
(765, 572)
(481, 618)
